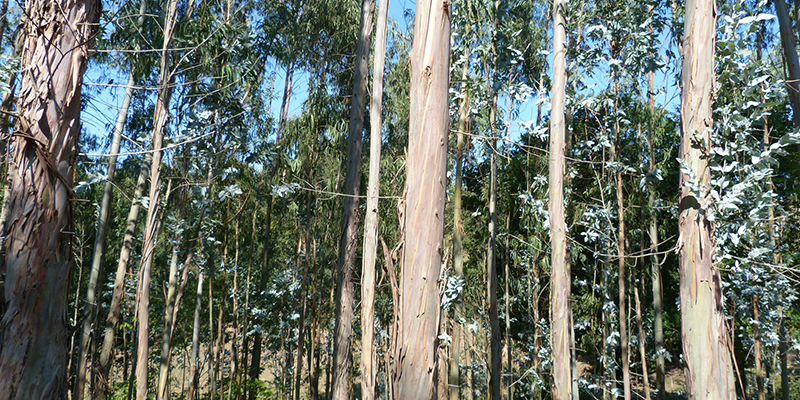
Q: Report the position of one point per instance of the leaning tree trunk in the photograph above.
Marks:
(560, 276)
(368, 354)
(706, 347)
(151, 226)
(33, 333)
(348, 242)
(426, 171)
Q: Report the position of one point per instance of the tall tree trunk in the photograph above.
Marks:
(458, 234)
(426, 166)
(560, 276)
(33, 332)
(369, 354)
(790, 57)
(706, 347)
(621, 242)
(495, 365)
(90, 309)
(348, 242)
(151, 227)
(118, 294)
(652, 229)
(194, 360)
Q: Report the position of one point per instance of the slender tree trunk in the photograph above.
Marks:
(642, 346)
(90, 309)
(757, 353)
(348, 241)
(655, 265)
(458, 234)
(33, 332)
(151, 227)
(194, 361)
(426, 166)
(621, 242)
(706, 347)
(369, 354)
(790, 57)
(172, 302)
(118, 295)
(560, 276)
(304, 247)
(783, 349)
(495, 371)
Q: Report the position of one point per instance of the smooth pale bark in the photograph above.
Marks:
(790, 58)
(151, 223)
(706, 347)
(34, 336)
(652, 229)
(426, 167)
(561, 332)
(369, 362)
(348, 241)
(194, 360)
(90, 309)
(118, 294)
(458, 234)
(495, 364)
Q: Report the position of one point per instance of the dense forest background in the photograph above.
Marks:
(221, 180)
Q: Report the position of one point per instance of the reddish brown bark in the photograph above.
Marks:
(33, 333)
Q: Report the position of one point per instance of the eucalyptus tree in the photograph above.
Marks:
(348, 241)
(369, 355)
(426, 166)
(33, 332)
(152, 221)
(561, 336)
(709, 371)
(90, 312)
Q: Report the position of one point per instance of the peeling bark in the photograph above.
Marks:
(416, 358)
(33, 333)
(706, 346)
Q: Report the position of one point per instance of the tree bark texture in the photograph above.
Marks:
(369, 360)
(706, 347)
(151, 223)
(561, 332)
(458, 235)
(348, 241)
(33, 333)
(426, 167)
